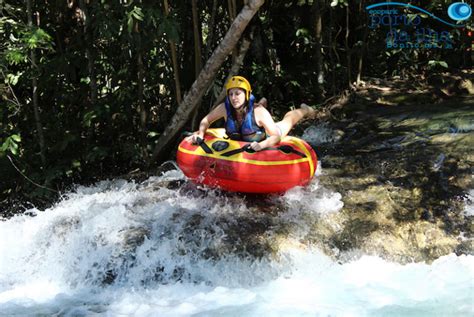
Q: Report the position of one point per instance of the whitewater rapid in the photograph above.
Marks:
(124, 249)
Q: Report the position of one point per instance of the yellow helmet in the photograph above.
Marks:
(239, 82)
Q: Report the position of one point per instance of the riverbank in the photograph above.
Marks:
(403, 160)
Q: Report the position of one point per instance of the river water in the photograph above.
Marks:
(124, 249)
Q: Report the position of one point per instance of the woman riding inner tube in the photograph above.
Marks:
(246, 120)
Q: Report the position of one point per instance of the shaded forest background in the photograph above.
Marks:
(88, 87)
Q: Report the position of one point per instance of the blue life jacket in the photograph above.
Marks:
(249, 131)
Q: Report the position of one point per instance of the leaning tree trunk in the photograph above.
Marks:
(34, 83)
(232, 7)
(200, 85)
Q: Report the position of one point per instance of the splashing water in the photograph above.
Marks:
(469, 211)
(126, 249)
(320, 134)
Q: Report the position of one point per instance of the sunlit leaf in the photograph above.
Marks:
(12, 79)
(443, 64)
(138, 14)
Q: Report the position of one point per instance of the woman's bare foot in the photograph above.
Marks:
(263, 102)
(307, 109)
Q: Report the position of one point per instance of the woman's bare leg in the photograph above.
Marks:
(292, 117)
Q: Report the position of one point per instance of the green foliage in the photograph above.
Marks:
(10, 144)
(12, 79)
(136, 14)
(16, 56)
(37, 38)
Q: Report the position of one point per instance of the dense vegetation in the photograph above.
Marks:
(88, 86)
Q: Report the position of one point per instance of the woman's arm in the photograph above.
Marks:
(216, 113)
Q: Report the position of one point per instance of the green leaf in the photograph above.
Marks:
(11, 144)
(16, 137)
(12, 79)
(137, 13)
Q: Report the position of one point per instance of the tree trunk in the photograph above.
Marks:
(200, 85)
(197, 56)
(363, 47)
(348, 51)
(39, 125)
(332, 51)
(197, 40)
(174, 60)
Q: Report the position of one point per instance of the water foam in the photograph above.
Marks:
(320, 134)
(469, 209)
(126, 249)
